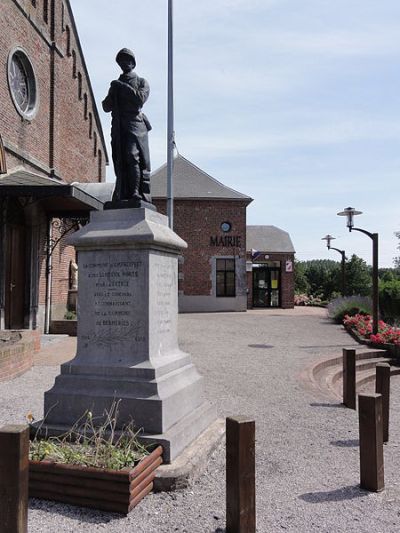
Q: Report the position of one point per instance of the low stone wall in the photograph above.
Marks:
(63, 327)
(17, 357)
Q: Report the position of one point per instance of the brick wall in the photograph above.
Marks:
(196, 221)
(17, 30)
(77, 136)
(64, 138)
(15, 359)
(61, 257)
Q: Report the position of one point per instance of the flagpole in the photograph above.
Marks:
(170, 120)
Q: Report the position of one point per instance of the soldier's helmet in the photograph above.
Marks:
(125, 52)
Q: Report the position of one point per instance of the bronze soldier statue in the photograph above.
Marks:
(129, 134)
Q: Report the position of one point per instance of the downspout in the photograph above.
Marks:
(48, 277)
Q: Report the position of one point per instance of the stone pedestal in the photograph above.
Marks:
(127, 334)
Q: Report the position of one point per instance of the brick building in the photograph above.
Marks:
(227, 266)
(50, 137)
(211, 218)
(270, 267)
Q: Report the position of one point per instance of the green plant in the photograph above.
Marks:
(349, 305)
(389, 299)
(70, 315)
(89, 443)
(317, 277)
(300, 279)
(358, 277)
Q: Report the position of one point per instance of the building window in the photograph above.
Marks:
(73, 64)
(22, 83)
(100, 165)
(68, 37)
(3, 165)
(79, 86)
(90, 125)
(46, 11)
(95, 144)
(33, 2)
(226, 280)
(85, 106)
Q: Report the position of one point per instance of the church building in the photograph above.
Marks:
(50, 137)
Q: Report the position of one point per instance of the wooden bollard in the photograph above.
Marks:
(382, 386)
(240, 475)
(349, 378)
(371, 443)
(14, 472)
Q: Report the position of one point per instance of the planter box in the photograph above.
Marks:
(108, 490)
(64, 327)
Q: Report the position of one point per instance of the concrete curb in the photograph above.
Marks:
(192, 462)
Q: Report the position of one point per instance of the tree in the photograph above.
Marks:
(301, 285)
(323, 277)
(358, 277)
(320, 277)
(396, 260)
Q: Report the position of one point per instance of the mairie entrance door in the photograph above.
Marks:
(266, 287)
(15, 277)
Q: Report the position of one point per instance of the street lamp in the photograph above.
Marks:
(350, 213)
(328, 238)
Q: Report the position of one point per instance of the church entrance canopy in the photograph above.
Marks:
(36, 213)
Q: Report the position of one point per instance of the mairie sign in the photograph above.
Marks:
(228, 241)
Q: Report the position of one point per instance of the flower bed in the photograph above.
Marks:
(360, 326)
(304, 299)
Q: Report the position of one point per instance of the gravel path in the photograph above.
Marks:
(307, 448)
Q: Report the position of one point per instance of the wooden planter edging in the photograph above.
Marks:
(108, 490)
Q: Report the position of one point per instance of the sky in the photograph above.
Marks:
(295, 103)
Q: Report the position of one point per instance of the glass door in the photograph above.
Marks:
(275, 287)
(266, 287)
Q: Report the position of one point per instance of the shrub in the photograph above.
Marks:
(349, 305)
(70, 315)
(389, 299)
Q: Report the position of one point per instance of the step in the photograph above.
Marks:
(363, 368)
(327, 375)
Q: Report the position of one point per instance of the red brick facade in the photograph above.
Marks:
(197, 222)
(17, 358)
(62, 140)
